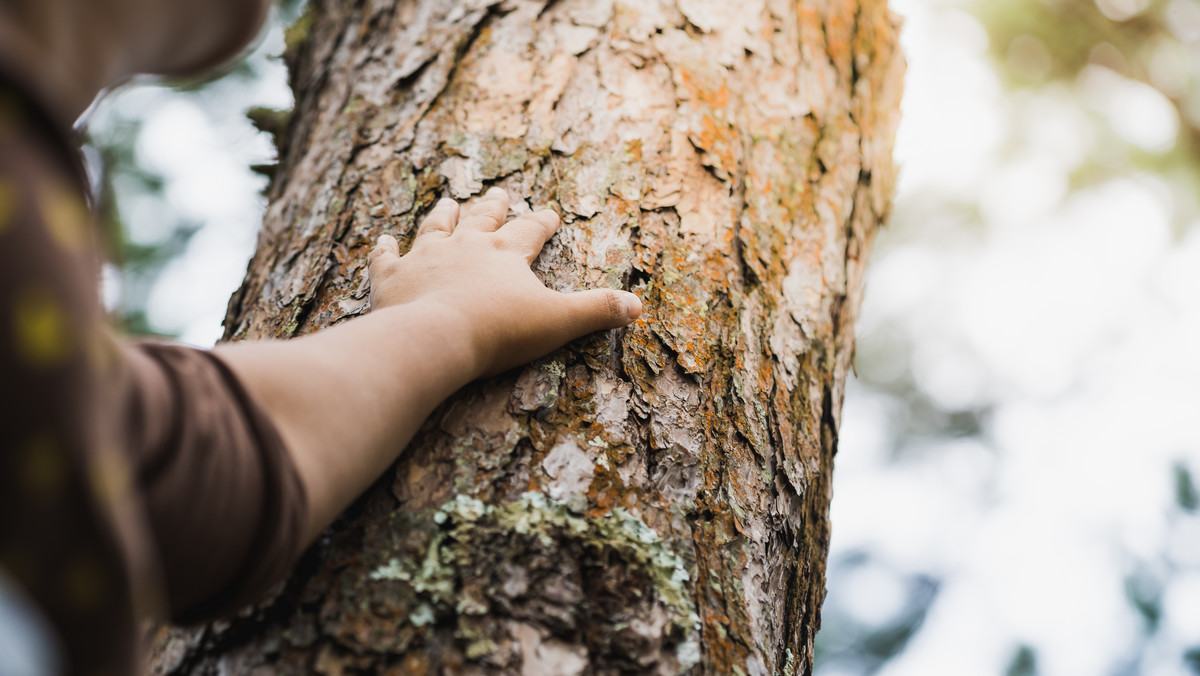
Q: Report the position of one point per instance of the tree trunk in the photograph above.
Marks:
(653, 500)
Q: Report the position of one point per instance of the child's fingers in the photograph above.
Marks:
(530, 233)
(601, 309)
(386, 244)
(386, 249)
(488, 213)
(441, 219)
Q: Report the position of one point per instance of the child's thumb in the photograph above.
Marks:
(601, 309)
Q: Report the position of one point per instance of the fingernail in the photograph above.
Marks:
(495, 191)
(633, 306)
(445, 202)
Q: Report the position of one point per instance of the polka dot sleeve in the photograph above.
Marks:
(136, 480)
(68, 532)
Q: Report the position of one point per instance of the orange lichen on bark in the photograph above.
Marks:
(721, 140)
(840, 29)
(702, 92)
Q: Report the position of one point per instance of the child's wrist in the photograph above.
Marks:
(454, 341)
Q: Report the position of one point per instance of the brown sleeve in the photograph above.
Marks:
(65, 525)
(116, 459)
(224, 502)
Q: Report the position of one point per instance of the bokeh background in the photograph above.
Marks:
(1016, 489)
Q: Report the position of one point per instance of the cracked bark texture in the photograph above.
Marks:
(653, 500)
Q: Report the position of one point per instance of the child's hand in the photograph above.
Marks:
(477, 266)
(461, 304)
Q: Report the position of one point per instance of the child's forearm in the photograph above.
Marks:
(347, 400)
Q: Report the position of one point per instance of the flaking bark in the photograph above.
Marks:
(652, 500)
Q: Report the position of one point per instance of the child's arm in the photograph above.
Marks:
(463, 303)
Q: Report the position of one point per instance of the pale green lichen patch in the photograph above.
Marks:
(480, 648)
(688, 653)
(555, 368)
(429, 577)
(390, 571)
(422, 616)
(461, 572)
(291, 322)
(466, 508)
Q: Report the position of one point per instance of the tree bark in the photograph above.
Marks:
(653, 500)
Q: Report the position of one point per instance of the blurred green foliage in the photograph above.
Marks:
(122, 180)
(1040, 44)
(1185, 489)
(1192, 659)
(1024, 662)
